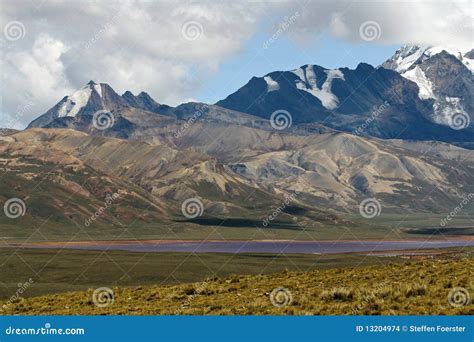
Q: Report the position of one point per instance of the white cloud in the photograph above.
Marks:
(33, 79)
(130, 45)
(400, 22)
(140, 45)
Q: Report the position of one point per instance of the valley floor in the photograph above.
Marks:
(391, 286)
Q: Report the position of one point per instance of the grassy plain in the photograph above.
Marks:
(385, 227)
(54, 270)
(408, 288)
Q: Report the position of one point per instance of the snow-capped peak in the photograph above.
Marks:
(96, 86)
(413, 63)
(79, 99)
(406, 57)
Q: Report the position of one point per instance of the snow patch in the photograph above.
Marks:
(424, 84)
(300, 73)
(468, 62)
(75, 102)
(271, 84)
(324, 94)
(444, 110)
(98, 89)
(407, 56)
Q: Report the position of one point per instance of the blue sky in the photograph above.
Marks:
(284, 54)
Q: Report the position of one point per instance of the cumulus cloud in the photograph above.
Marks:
(167, 49)
(396, 22)
(32, 77)
(170, 49)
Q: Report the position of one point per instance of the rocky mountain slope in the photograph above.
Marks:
(444, 76)
(55, 185)
(369, 101)
(421, 93)
(314, 178)
(242, 164)
(340, 170)
(158, 177)
(408, 56)
(84, 102)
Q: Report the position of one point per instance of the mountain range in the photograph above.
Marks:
(326, 138)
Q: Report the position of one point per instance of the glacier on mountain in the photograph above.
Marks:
(78, 100)
(324, 94)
